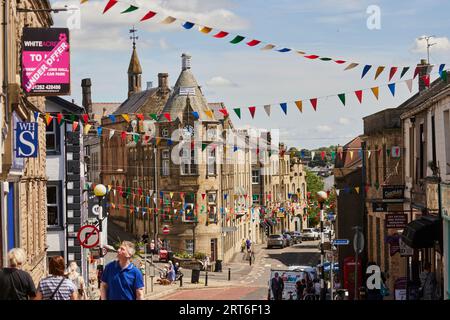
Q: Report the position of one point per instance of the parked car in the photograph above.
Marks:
(311, 271)
(289, 239)
(296, 236)
(276, 240)
(310, 234)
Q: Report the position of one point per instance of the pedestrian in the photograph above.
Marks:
(317, 289)
(77, 280)
(171, 272)
(99, 274)
(243, 244)
(277, 286)
(15, 283)
(248, 244)
(121, 279)
(160, 244)
(300, 286)
(152, 247)
(56, 286)
(428, 288)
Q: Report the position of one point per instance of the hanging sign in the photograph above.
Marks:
(27, 139)
(46, 61)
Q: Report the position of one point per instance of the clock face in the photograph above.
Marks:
(188, 130)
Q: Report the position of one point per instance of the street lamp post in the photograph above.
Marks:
(321, 197)
(100, 192)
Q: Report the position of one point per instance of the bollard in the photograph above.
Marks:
(229, 274)
(206, 278)
(181, 281)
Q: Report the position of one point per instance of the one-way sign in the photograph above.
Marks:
(341, 242)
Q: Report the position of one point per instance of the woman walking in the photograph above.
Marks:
(77, 280)
(56, 286)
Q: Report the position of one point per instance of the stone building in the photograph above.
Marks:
(23, 182)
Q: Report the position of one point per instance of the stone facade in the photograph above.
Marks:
(23, 184)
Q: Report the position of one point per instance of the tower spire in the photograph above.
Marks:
(134, 69)
(134, 37)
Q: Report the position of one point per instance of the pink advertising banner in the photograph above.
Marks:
(46, 61)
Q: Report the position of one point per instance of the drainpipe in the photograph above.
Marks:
(5, 58)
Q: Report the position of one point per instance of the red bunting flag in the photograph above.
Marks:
(322, 155)
(109, 5)
(311, 56)
(59, 118)
(416, 72)
(148, 16)
(314, 103)
(224, 112)
(85, 118)
(392, 72)
(359, 95)
(245, 196)
(221, 34)
(426, 80)
(340, 61)
(123, 135)
(140, 191)
(140, 116)
(252, 111)
(203, 196)
(167, 116)
(253, 43)
(74, 126)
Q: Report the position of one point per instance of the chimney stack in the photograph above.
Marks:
(149, 85)
(86, 92)
(185, 61)
(163, 81)
(423, 71)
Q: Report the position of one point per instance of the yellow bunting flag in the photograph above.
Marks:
(351, 155)
(299, 105)
(357, 189)
(83, 1)
(48, 118)
(379, 71)
(268, 47)
(158, 140)
(168, 20)
(375, 91)
(126, 117)
(301, 52)
(351, 66)
(87, 127)
(171, 195)
(205, 29)
(209, 113)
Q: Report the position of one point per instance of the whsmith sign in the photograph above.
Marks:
(46, 61)
(27, 139)
(393, 193)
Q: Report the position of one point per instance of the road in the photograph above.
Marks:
(251, 282)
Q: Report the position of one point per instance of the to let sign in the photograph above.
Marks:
(27, 139)
(393, 193)
(396, 220)
(46, 61)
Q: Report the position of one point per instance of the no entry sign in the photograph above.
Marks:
(89, 236)
(165, 230)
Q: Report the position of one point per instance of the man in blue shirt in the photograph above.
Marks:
(122, 280)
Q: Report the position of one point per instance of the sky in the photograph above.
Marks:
(241, 76)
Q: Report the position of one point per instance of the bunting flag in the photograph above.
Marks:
(379, 71)
(109, 5)
(416, 72)
(74, 126)
(237, 39)
(404, 71)
(441, 68)
(322, 155)
(351, 155)
(333, 155)
(123, 135)
(87, 127)
(158, 140)
(365, 70)
(204, 145)
(196, 115)
(268, 47)
(357, 190)
(126, 117)
(168, 20)
(392, 72)
(409, 83)
(238, 112)
(314, 103)
(85, 118)
(99, 131)
(203, 196)
(48, 118)
(112, 118)
(267, 109)
(444, 75)
(154, 116)
(342, 98)
(253, 43)
(299, 105)
(148, 15)
(221, 34)
(358, 94)
(235, 148)
(167, 116)
(83, 1)
(171, 195)
(188, 25)
(392, 88)
(284, 50)
(252, 111)
(205, 30)
(284, 107)
(209, 113)
(313, 153)
(59, 118)
(136, 138)
(375, 91)
(368, 154)
(224, 112)
(351, 66)
(111, 134)
(140, 116)
(337, 192)
(131, 8)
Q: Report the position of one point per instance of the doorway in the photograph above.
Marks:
(213, 249)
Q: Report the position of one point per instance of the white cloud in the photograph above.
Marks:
(441, 44)
(344, 121)
(219, 81)
(324, 128)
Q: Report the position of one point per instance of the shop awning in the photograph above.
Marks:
(423, 232)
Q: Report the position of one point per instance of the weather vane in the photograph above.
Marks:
(134, 37)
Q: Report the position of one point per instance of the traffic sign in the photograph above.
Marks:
(95, 209)
(341, 242)
(165, 230)
(89, 236)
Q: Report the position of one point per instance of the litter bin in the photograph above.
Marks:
(218, 266)
(195, 276)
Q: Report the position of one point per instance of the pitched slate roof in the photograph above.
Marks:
(135, 101)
